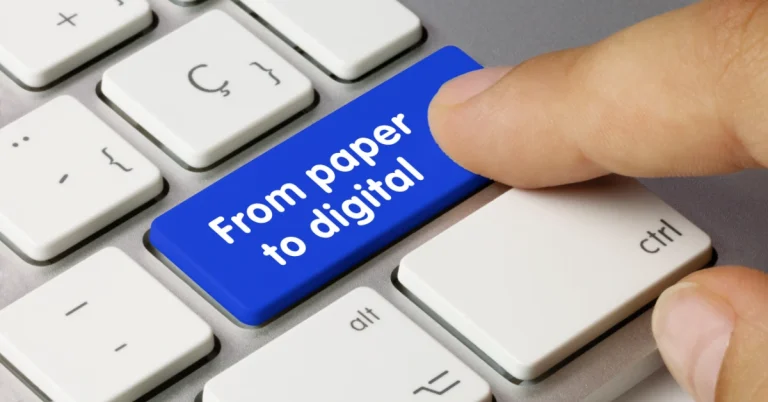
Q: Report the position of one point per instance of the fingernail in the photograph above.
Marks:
(461, 89)
(693, 328)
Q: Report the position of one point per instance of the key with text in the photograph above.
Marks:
(359, 348)
(287, 223)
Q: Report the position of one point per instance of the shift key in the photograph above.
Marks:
(287, 223)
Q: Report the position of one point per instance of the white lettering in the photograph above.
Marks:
(251, 212)
(364, 214)
(405, 180)
(283, 193)
(412, 170)
(351, 162)
(398, 121)
(322, 182)
(366, 156)
(386, 135)
(222, 232)
(300, 247)
(322, 220)
(271, 251)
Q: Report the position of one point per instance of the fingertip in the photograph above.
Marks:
(467, 86)
(448, 116)
(446, 111)
(455, 142)
(500, 123)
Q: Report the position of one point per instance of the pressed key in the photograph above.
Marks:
(103, 331)
(207, 89)
(360, 348)
(535, 275)
(285, 224)
(347, 37)
(42, 40)
(65, 175)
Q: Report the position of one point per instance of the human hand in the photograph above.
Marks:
(681, 94)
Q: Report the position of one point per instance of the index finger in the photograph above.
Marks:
(676, 95)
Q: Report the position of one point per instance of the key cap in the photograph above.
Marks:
(207, 89)
(285, 224)
(535, 275)
(42, 40)
(360, 348)
(347, 37)
(65, 175)
(104, 330)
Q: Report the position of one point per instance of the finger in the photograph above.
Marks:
(681, 94)
(712, 331)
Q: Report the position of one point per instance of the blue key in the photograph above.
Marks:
(284, 225)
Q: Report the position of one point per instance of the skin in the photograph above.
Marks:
(681, 94)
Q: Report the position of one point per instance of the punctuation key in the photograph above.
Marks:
(66, 175)
(106, 314)
(207, 89)
(302, 214)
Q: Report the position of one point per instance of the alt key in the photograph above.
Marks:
(360, 348)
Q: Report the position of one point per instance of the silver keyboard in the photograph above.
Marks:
(100, 91)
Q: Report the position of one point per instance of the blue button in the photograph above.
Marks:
(284, 225)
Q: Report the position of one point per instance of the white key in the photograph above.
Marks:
(104, 330)
(360, 348)
(42, 40)
(207, 89)
(347, 37)
(535, 275)
(65, 175)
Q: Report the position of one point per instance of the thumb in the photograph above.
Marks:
(712, 331)
(684, 93)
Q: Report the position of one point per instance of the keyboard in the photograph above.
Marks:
(242, 200)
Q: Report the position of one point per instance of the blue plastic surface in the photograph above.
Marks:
(254, 287)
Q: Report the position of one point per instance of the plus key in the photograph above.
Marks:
(41, 43)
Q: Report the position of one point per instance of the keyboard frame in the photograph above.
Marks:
(729, 208)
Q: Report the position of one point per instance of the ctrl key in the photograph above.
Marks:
(360, 348)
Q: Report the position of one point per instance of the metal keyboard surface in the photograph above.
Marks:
(730, 208)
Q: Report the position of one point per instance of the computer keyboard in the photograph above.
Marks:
(201, 221)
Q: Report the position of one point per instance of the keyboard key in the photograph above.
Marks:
(104, 330)
(207, 89)
(65, 175)
(41, 41)
(360, 348)
(285, 224)
(535, 275)
(347, 37)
